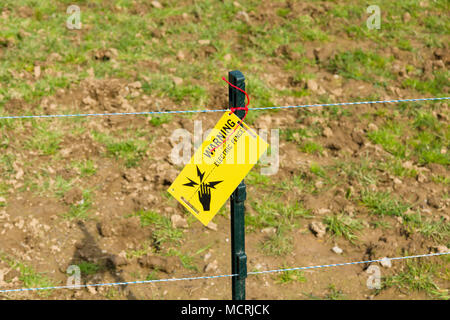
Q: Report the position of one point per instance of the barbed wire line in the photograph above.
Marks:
(218, 276)
(215, 110)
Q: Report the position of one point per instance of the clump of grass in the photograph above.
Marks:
(131, 150)
(360, 65)
(290, 276)
(389, 138)
(318, 170)
(80, 210)
(436, 178)
(311, 147)
(428, 138)
(381, 224)
(186, 260)
(44, 139)
(425, 120)
(279, 243)
(343, 226)
(152, 275)
(334, 294)
(262, 94)
(156, 121)
(164, 86)
(145, 248)
(383, 204)
(433, 86)
(164, 232)
(255, 178)
(87, 168)
(89, 268)
(31, 278)
(437, 230)
(112, 293)
(297, 135)
(276, 215)
(362, 171)
(417, 276)
(395, 167)
(6, 164)
(307, 32)
(427, 146)
(4, 188)
(60, 186)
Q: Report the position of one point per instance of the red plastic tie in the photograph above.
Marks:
(232, 110)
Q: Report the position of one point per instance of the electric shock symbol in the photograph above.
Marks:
(204, 192)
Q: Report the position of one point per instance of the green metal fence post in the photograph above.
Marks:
(238, 256)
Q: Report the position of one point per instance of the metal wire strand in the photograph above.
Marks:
(215, 110)
(218, 276)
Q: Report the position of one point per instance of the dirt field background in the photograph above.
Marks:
(371, 180)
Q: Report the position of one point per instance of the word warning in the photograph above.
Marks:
(217, 167)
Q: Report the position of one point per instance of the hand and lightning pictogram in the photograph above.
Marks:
(204, 192)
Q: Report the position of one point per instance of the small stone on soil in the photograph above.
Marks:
(337, 250)
(269, 230)
(440, 249)
(318, 228)
(178, 221)
(157, 4)
(212, 266)
(327, 132)
(212, 226)
(385, 262)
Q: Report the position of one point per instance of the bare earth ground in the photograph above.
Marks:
(92, 191)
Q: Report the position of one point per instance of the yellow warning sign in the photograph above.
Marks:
(217, 167)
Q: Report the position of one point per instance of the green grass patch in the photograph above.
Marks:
(317, 170)
(389, 137)
(257, 179)
(156, 121)
(89, 268)
(186, 260)
(30, 277)
(291, 276)
(311, 147)
(382, 203)
(164, 232)
(427, 147)
(334, 293)
(343, 226)
(130, 150)
(44, 139)
(360, 65)
(86, 168)
(434, 86)
(274, 214)
(363, 171)
(438, 230)
(418, 275)
(60, 186)
(395, 167)
(282, 217)
(81, 210)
